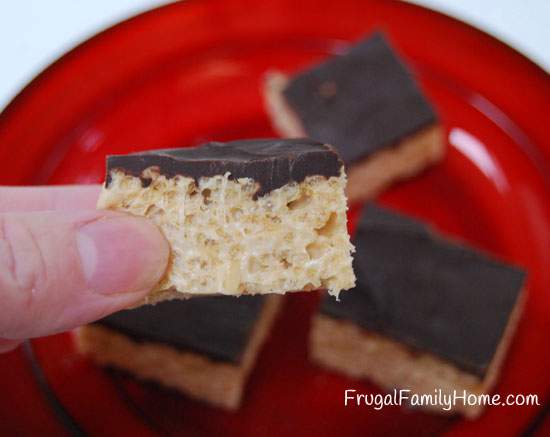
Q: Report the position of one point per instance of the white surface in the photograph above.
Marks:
(523, 24)
(33, 33)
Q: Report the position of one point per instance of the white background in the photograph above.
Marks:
(33, 33)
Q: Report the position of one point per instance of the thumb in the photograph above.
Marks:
(59, 270)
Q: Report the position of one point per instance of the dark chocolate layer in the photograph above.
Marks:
(218, 327)
(360, 102)
(272, 163)
(432, 294)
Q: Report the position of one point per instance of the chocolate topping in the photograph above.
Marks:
(427, 292)
(272, 163)
(218, 327)
(361, 101)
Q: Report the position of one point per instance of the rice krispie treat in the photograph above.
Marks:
(244, 217)
(204, 347)
(367, 104)
(426, 314)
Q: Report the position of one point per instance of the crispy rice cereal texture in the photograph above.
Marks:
(225, 241)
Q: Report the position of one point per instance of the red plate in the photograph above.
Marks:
(191, 72)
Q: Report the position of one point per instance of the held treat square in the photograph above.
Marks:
(368, 105)
(426, 314)
(244, 217)
(204, 347)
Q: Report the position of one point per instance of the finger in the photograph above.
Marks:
(59, 270)
(54, 197)
(8, 345)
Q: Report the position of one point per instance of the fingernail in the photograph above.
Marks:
(8, 345)
(121, 254)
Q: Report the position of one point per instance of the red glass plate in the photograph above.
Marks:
(191, 72)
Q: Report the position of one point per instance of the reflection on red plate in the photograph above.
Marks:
(191, 72)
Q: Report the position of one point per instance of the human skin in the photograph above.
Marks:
(63, 263)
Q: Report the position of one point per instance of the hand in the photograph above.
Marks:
(64, 264)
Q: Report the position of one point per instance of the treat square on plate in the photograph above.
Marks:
(204, 347)
(368, 105)
(427, 313)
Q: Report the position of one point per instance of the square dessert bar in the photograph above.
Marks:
(367, 104)
(204, 347)
(426, 314)
(244, 217)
